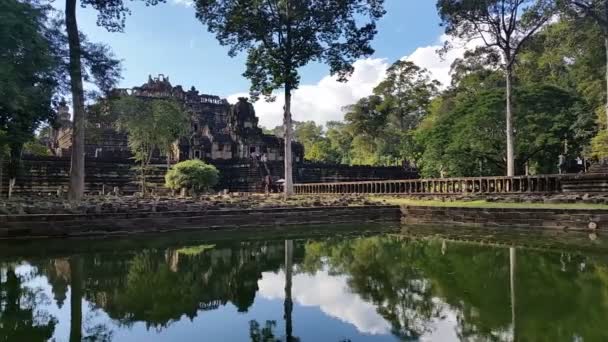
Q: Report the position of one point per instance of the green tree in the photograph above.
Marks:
(320, 151)
(596, 10)
(282, 36)
(312, 136)
(407, 91)
(111, 14)
(30, 76)
(152, 126)
(463, 135)
(340, 140)
(503, 26)
(366, 121)
(307, 133)
(192, 174)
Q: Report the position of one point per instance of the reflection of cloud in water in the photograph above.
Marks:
(331, 294)
(334, 297)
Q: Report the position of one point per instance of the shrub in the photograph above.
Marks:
(192, 174)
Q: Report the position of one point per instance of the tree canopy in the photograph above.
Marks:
(503, 26)
(282, 36)
(152, 126)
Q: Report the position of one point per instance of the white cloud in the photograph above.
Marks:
(186, 3)
(324, 101)
(331, 294)
(439, 66)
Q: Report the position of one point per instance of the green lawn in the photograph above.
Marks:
(485, 204)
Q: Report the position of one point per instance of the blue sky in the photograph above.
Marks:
(168, 39)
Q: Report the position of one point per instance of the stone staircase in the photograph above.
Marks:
(600, 167)
(595, 180)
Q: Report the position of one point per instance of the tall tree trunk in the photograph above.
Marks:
(76, 270)
(11, 185)
(288, 137)
(509, 123)
(1, 171)
(606, 47)
(14, 166)
(77, 161)
(288, 305)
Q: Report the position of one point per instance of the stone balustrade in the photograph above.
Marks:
(519, 184)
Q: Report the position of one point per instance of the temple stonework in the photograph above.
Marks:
(219, 131)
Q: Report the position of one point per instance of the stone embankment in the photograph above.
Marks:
(30, 217)
(508, 218)
(50, 205)
(101, 216)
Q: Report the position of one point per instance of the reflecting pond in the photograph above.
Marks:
(382, 286)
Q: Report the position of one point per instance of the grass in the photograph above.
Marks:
(485, 204)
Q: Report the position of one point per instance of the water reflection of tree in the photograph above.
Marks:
(21, 318)
(382, 271)
(257, 333)
(572, 289)
(159, 286)
(413, 282)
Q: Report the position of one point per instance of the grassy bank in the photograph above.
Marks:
(485, 204)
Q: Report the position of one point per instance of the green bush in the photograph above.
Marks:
(192, 174)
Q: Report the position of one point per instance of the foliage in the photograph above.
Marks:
(413, 282)
(381, 125)
(504, 27)
(378, 129)
(160, 286)
(29, 76)
(191, 174)
(282, 36)
(35, 148)
(463, 136)
(406, 93)
(33, 70)
(152, 126)
(599, 145)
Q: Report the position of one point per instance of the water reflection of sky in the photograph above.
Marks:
(379, 288)
(324, 310)
(331, 295)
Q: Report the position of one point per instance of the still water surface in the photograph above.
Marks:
(373, 287)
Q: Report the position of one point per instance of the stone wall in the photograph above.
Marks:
(248, 177)
(72, 225)
(570, 219)
(47, 174)
(321, 173)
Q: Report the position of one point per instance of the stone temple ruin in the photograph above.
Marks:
(219, 131)
(223, 134)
